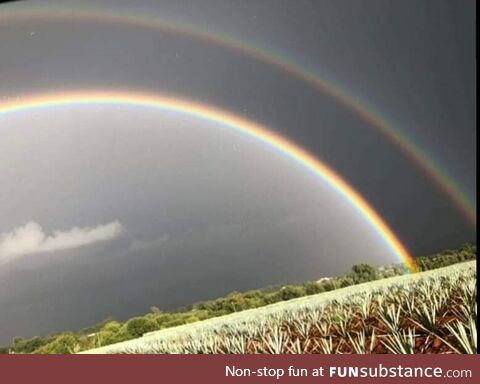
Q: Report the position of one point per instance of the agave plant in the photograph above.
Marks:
(466, 335)
(430, 312)
(400, 342)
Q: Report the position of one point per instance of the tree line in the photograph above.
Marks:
(112, 331)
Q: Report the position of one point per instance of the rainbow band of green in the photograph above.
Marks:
(234, 122)
(418, 155)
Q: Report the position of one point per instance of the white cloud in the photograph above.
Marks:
(30, 238)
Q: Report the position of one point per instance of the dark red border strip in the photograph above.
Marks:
(131, 369)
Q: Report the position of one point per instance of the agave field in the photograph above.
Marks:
(428, 312)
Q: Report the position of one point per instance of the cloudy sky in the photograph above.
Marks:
(109, 210)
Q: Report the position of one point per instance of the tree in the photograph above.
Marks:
(62, 344)
(312, 287)
(4, 350)
(290, 292)
(346, 281)
(138, 326)
(363, 273)
(20, 345)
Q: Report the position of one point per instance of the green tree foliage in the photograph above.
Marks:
(447, 257)
(289, 292)
(28, 346)
(346, 281)
(111, 331)
(361, 273)
(138, 326)
(312, 287)
(63, 344)
(4, 350)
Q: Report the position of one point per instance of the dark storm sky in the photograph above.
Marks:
(414, 61)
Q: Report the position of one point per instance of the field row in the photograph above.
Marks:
(428, 312)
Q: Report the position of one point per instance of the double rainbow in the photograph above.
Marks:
(19, 13)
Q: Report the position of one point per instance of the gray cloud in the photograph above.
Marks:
(142, 245)
(30, 238)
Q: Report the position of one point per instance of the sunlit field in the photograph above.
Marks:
(428, 312)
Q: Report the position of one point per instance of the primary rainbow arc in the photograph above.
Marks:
(232, 121)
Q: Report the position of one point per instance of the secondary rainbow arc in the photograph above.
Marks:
(404, 142)
(232, 121)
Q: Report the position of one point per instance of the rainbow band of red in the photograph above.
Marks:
(231, 121)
